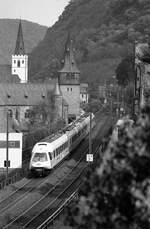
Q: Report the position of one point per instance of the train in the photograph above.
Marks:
(50, 151)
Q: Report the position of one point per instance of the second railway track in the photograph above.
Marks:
(30, 213)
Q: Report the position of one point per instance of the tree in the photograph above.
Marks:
(125, 71)
(115, 194)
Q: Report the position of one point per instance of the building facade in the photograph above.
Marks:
(84, 94)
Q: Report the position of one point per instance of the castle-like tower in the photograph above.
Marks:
(20, 59)
(69, 80)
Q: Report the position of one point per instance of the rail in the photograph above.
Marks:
(50, 220)
(57, 213)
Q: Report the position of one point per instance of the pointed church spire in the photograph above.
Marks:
(69, 60)
(19, 50)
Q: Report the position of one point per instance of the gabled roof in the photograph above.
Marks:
(28, 94)
(19, 50)
(69, 60)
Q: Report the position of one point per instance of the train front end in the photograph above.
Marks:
(40, 162)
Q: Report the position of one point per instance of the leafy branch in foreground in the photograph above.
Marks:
(116, 194)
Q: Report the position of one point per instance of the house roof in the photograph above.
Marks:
(28, 94)
(83, 87)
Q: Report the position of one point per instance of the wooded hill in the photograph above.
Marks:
(33, 33)
(103, 33)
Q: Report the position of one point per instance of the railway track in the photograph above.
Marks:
(25, 219)
(22, 221)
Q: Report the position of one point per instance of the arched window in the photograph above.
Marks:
(18, 63)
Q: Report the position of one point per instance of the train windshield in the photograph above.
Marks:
(40, 157)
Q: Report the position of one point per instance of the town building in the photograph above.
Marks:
(84, 94)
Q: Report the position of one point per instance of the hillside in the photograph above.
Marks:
(103, 33)
(33, 34)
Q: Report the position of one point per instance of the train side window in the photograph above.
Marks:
(50, 156)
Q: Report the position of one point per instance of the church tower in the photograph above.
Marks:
(69, 80)
(19, 58)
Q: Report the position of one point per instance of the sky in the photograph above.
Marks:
(44, 12)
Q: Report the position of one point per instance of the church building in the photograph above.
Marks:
(18, 95)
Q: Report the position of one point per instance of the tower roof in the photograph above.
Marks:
(69, 60)
(57, 89)
(19, 50)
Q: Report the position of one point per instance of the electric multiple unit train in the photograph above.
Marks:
(51, 150)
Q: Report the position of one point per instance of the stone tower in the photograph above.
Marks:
(19, 58)
(69, 80)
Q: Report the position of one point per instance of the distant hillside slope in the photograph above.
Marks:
(103, 31)
(33, 33)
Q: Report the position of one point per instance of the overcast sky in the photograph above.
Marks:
(44, 12)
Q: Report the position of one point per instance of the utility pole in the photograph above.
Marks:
(7, 146)
(90, 139)
(89, 156)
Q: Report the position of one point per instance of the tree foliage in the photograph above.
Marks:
(125, 71)
(116, 194)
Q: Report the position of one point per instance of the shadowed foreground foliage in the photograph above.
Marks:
(116, 194)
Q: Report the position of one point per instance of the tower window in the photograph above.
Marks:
(18, 63)
(22, 61)
(14, 61)
(17, 114)
(67, 89)
(71, 88)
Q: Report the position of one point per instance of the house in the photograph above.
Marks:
(84, 94)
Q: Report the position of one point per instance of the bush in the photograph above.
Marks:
(116, 193)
